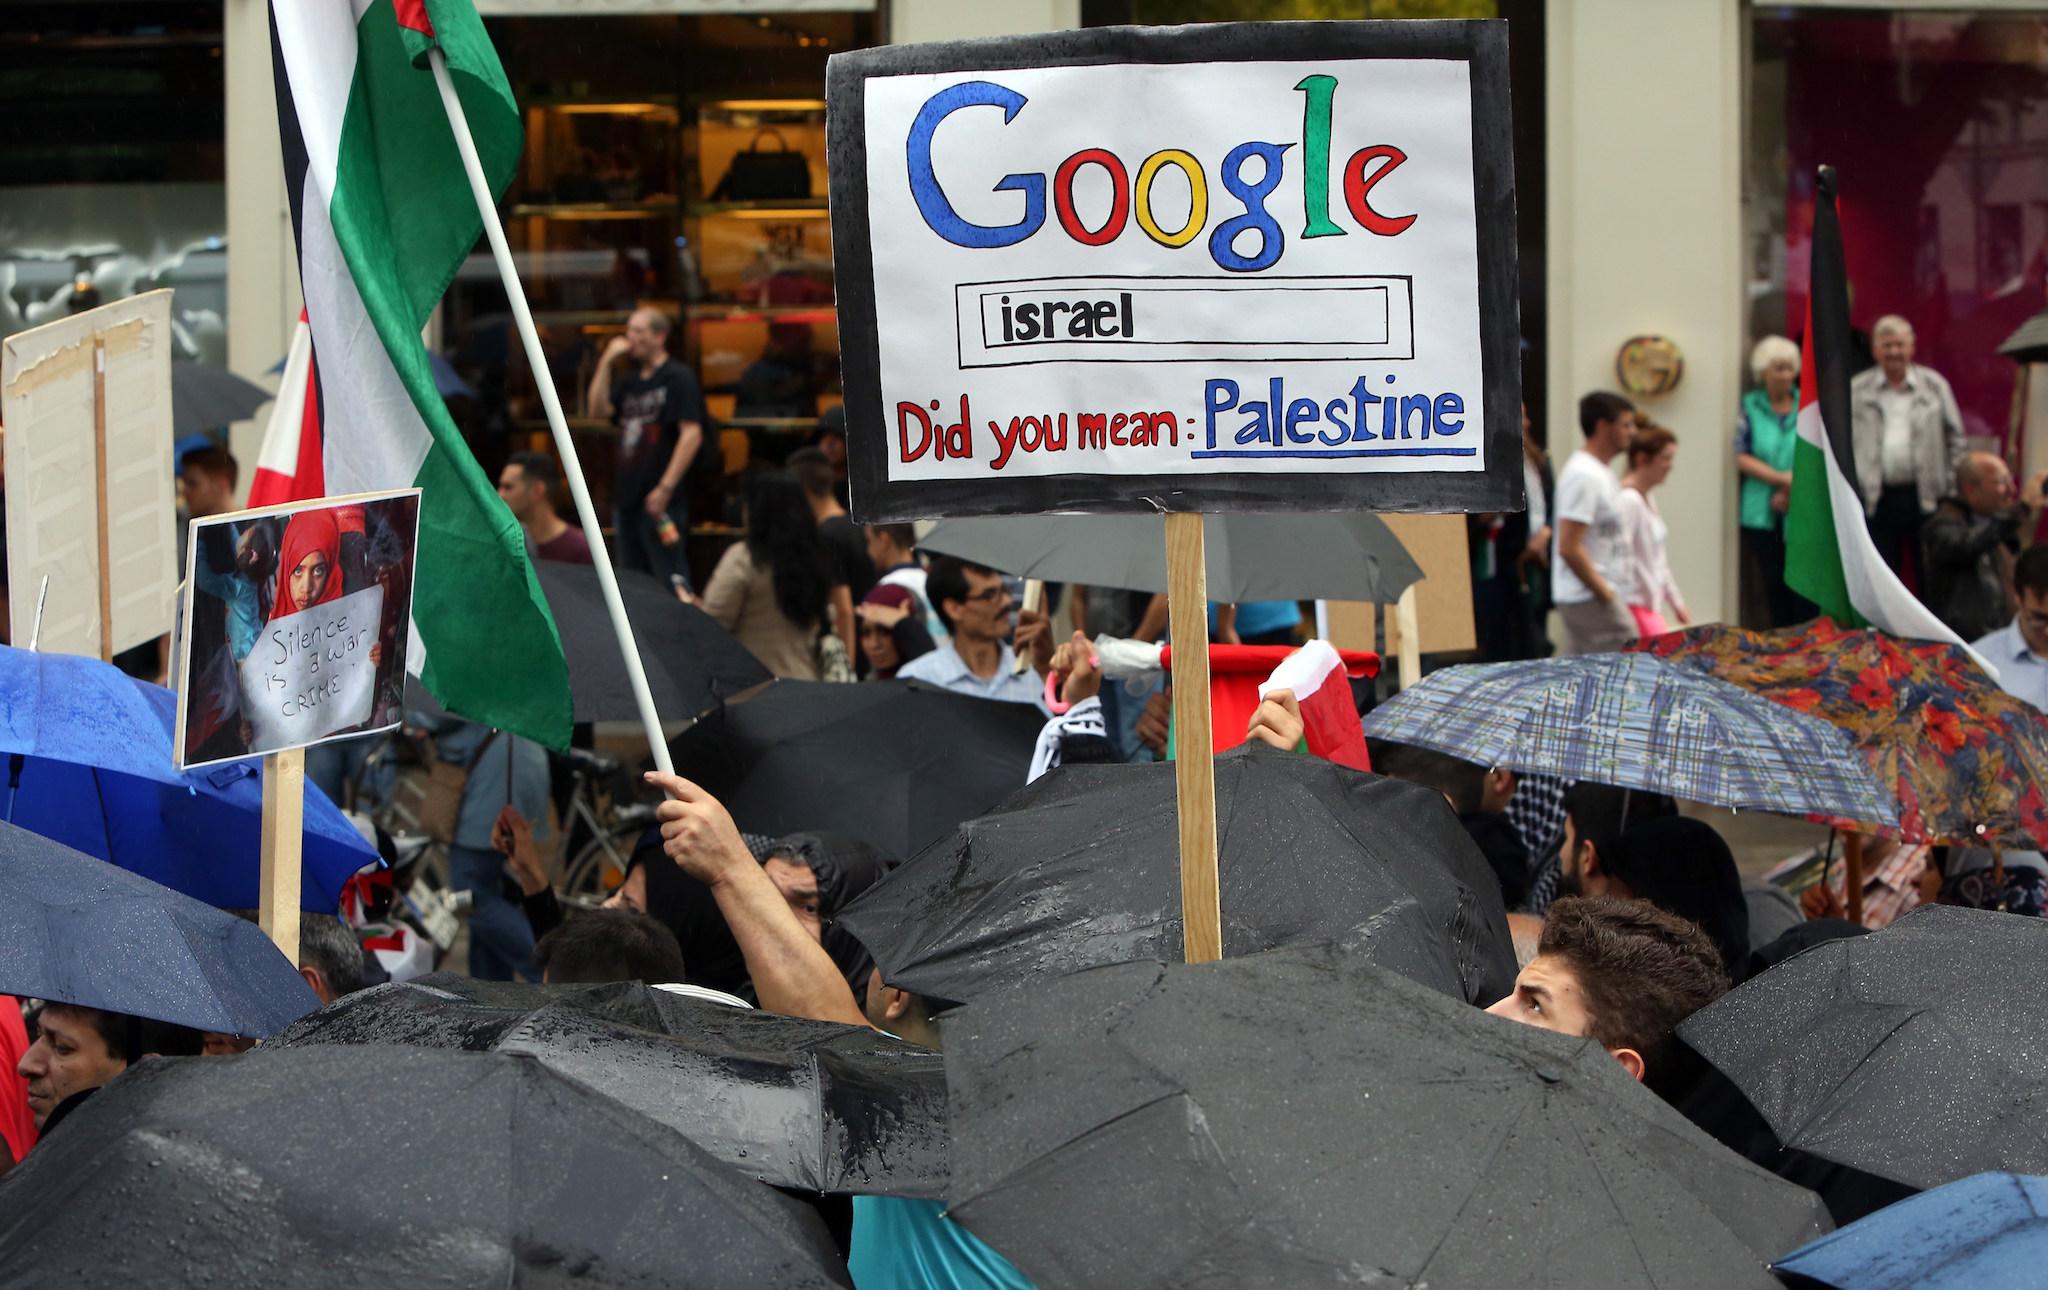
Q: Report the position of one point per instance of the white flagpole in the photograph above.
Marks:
(572, 470)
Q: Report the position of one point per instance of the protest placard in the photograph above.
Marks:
(1257, 266)
(91, 492)
(296, 624)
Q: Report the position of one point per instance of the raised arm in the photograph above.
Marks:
(792, 973)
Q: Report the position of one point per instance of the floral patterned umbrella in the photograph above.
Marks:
(1967, 760)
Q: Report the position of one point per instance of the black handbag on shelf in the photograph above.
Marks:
(761, 174)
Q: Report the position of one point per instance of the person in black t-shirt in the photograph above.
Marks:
(659, 410)
(845, 540)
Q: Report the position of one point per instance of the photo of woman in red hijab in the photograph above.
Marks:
(308, 563)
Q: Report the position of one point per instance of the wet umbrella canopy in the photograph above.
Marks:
(1914, 1053)
(691, 662)
(897, 764)
(1986, 1230)
(348, 1167)
(801, 1104)
(1249, 556)
(1301, 1118)
(1083, 868)
(1636, 722)
(78, 930)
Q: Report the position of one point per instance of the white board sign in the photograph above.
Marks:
(1252, 266)
(311, 672)
(47, 397)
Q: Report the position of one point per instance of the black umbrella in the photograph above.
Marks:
(207, 398)
(2029, 344)
(1083, 868)
(1914, 1053)
(1249, 557)
(348, 1167)
(1299, 1118)
(802, 1104)
(691, 661)
(81, 931)
(894, 763)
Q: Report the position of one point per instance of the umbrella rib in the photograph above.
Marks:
(1472, 1193)
(1822, 1103)
(1614, 1202)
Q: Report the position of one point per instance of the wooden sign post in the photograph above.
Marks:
(284, 813)
(1231, 267)
(1194, 752)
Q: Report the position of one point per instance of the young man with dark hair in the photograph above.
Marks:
(659, 409)
(843, 538)
(1620, 972)
(616, 944)
(528, 485)
(207, 478)
(77, 1050)
(2020, 648)
(1592, 548)
(979, 659)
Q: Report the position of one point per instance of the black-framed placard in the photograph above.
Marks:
(1258, 266)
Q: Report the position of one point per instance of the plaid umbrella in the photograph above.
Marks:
(1963, 759)
(1636, 722)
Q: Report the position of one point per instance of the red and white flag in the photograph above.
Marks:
(288, 465)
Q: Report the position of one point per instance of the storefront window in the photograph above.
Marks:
(111, 164)
(1937, 127)
(675, 162)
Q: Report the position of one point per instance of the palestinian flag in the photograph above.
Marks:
(1829, 557)
(384, 217)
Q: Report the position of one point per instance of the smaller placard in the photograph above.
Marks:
(295, 625)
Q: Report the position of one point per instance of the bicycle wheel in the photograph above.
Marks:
(599, 867)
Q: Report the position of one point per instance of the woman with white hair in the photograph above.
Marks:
(1766, 439)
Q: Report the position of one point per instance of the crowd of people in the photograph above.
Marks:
(1627, 914)
(1952, 522)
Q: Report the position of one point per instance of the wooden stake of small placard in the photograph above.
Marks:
(284, 812)
(99, 460)
(1194, 749)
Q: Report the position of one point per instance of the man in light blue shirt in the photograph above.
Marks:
(2019, 650)
(977, 659)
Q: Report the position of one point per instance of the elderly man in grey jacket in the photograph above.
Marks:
(1909, 436)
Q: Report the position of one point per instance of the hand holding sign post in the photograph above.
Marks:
(1260, 267)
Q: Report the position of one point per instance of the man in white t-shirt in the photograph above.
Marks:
(1592, 551)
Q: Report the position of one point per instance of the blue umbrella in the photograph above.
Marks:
(1985, 1230)
(90, 766)
(78, 930)
(1634, 721)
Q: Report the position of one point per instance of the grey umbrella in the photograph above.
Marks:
(1299, 1118)
(1250, 557)
(2029, 344)
(801, 1104)
(382, 1165)
(207, 398)
(1082, 868)
(1914, 1053)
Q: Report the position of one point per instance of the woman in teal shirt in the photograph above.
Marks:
(1766, 438)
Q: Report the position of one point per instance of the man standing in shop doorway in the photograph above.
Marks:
(1908, 434)
(659, 410)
